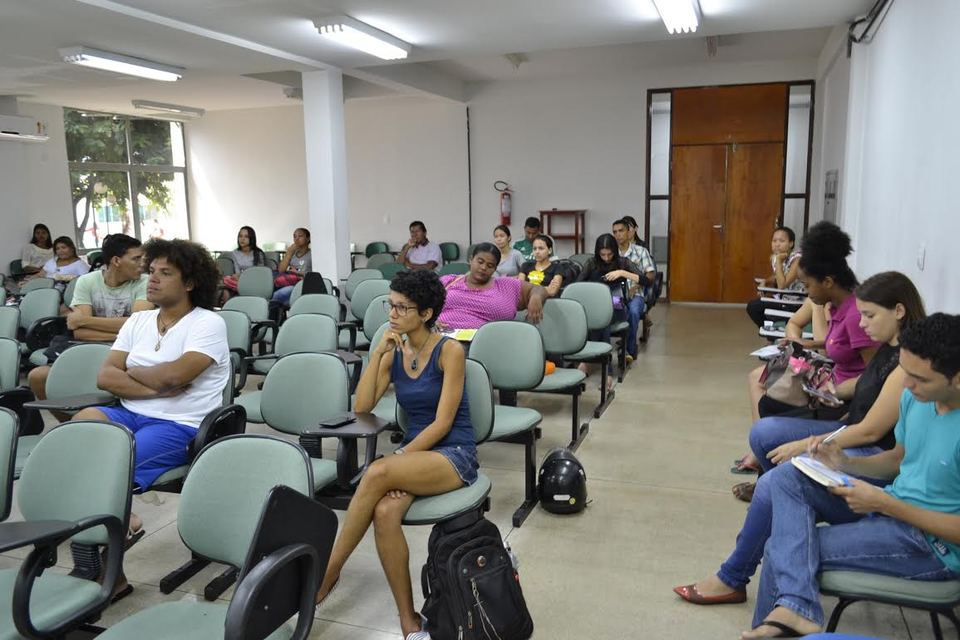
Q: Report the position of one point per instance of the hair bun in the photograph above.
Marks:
(827, 242)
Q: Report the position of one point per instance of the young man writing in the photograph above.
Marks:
(641, 258)
(420, 253)
(531, 229)
(914, 528)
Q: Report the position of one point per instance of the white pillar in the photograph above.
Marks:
(325, 141)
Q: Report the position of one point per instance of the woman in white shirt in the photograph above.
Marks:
(66, 264)
(36, 253)
(510, 259)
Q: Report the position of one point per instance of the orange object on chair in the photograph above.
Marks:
(549, 368)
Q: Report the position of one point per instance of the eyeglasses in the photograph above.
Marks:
(401, 309)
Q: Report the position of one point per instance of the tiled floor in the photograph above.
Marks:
(660, 515)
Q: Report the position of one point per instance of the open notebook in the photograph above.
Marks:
(461, 335)
(819, 472)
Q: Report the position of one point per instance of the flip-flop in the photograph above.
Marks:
(690, 594)
(133, 537)
(740, 468)
(743, 491)
(785, 631)
(121, 594)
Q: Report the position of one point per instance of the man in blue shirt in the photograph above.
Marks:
(909, 529)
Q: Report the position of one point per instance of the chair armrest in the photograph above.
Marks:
(242, 371)
(14, 535)
(367, 425)
(43, 330)
(270, 325)
(351, 327)
(225, 421)
(790, 292)
(75, 403)
(40, 558)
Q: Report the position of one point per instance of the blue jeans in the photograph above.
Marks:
(635, 310)
(798, 550)
(742, 563)
(282, 295)
(767, 434)
(161, 444)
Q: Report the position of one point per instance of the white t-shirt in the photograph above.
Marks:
(200, 330)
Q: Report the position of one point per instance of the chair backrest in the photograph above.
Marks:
(53, 486)
(256, 281)
(39, 303)
(322, 303)
(581, 258)
(296, 293)
(378, 335)
(68, 292)
(9, 364)
(390, 269)
(255, 307)
(365, 292)
(453, 268)
(375, 316)
(9, 321)
(377, 259)
(596, 301)
(74, 372)
(374, 248)
(226, 488)
(307, 333)
(358, 276)
(37, 283)
(238, 329)
(512, 353)
(8, 457)
(563, 326)
(450, 251)
(226, 265)
(293, 401)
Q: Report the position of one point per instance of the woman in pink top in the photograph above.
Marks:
(477, 297)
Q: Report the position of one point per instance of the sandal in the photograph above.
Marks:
(741, 468)
(133, 537)
(783, 631)
(690, 594)
(744, 491)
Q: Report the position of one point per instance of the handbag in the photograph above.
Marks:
(786, 374)
(286, 279)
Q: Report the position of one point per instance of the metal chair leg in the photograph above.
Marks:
(837, 612)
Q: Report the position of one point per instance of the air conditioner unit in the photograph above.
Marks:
(22, 129)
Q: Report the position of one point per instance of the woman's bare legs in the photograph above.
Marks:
(395, 555)
(756, 392)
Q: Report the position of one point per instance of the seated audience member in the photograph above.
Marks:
(419, 252)
(168, 366)
(908, 529)
(889, 304)
(510, 259)
(246, 255)
(477, 297)
(67, 265)
(295, 264)
(729, 584)
(36, 252)
(438, 453)
(785, 262)
(103, 300)
(531, 229)
(635, 232)
(542, 270)
(609, 268)
(643, 261)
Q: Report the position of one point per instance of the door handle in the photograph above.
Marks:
(718, 226)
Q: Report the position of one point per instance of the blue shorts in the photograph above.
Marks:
(161, 444)
(464, 461)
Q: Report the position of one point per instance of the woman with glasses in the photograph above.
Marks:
(438, 453)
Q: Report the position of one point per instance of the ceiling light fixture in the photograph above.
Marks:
(87, 57)
(180, 110)
(359, 35)
(679, 16)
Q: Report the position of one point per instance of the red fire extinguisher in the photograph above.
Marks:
(506, 200)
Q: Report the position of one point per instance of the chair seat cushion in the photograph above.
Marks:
(262, 367)
(561, 379)
(25, 445)
(873, 585)
(250, 400)
(54, 599)
(591, 351)
(39, 358)
(324, 472)
(430, 509)
(176, 473)
(179, 621)
(508, 421)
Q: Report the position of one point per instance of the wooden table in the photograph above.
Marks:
(579, 233)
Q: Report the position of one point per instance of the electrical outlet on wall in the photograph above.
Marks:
(921, 256)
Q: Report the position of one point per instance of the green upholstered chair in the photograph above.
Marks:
(68, 292)
(582, 258)
(363, 295)
(596, 302)
(36, 284)
(512, 353)
(358, 276)
(450, 251)
(937, 597)
(262, 328)
(9, 322)
(226, 265)
(256, 281)
(60, 501)
(564, 331)
(374, 248)
(322, 303)
(8, 456)
(378, 259)
(221, 510)
(301, 333)
(390, 269)
(39, 319)
(386, 407)
(454, 268)
(239, 341)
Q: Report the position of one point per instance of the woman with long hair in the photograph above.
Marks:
(296, 262)
(542, 270)
(36, 252)
(246, 255)
(66, 265)
(510, 259)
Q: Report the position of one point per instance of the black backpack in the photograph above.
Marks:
(471, 587)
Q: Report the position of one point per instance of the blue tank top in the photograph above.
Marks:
(420, 396)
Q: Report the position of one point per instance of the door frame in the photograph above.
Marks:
(783, 194)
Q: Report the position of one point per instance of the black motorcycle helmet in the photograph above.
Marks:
(562, 486)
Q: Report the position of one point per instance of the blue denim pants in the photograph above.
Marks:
(798, 549)
(767, 434)
(635, 310)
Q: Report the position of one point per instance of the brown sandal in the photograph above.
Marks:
(690, 594)
(744, 491)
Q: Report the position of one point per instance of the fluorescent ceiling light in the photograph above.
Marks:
(679, 16)
(358, 35)
(180, 110)
(87, 57)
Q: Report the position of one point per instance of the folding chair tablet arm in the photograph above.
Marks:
(226, 421)
(42, 331)
(351, 327)
(367, 426)
(75, 403)
(788, 292)
(46, 536)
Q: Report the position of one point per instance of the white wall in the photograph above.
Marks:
(14, 213)
(246, 167)
(902, 164)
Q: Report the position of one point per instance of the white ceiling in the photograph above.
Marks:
(222, 42)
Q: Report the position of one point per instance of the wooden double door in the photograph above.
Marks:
(726, 189)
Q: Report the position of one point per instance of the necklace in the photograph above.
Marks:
(162, 331)
(415, 363)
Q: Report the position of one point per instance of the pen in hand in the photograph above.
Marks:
(828, 439)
